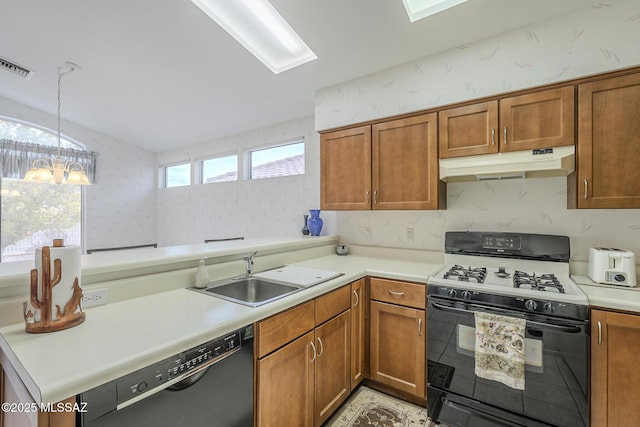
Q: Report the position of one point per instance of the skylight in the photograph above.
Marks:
(418, 9)
(257, 26)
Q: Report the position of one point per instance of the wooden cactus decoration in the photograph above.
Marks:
(65, 319)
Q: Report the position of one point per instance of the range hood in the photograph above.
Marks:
(545, 162)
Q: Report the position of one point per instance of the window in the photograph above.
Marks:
(281, 160)
(177, 175)
(33, 214)
(220, 169)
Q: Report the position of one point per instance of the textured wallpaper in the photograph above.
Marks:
(257, 208)
(120, 207)
(596, 39)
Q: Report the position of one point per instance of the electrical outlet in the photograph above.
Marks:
(409, 234)
(94, 297)
(367, 233)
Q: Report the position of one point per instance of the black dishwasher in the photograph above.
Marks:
(208, 385)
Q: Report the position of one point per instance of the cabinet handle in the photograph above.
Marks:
(375, 199)
(493, 136)
(419, 327)
(599, 333)
(398, 294)
(505, 135)
(314, 352)
(586, 188)
(321, 347)
(357, 299)
(366, 197)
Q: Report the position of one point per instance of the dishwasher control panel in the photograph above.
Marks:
(177, 367)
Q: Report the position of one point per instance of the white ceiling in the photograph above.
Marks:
(162, 75)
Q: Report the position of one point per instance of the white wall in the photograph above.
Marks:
(258, 208)
(593, 40)
(120, 206)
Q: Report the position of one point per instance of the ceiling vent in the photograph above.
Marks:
(14, 68)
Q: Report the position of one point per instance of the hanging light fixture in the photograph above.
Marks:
(56, 170)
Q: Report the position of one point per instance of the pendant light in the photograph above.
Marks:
(56, 170)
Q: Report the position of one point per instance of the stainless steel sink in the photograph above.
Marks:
(251, 291)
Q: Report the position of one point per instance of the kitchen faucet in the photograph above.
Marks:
(249, 260)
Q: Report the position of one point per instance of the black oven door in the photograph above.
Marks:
(556, 370)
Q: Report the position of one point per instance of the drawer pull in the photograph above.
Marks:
(314, 352)
(493, 136)
(599, 333)
(586, 189)
(505, 135)
(419, 327)
(355, 304)
(321, 347)
(398, 294)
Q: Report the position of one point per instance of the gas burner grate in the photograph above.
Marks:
(543, 282)
(469, 274)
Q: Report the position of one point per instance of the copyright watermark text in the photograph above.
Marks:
(44, 407)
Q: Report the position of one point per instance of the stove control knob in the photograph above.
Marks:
(531, 305)
(549, 308)
(452, 293)
(466, 295)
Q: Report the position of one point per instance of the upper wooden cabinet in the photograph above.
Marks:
(608, 151)
(525, 122)
(405, 163)
(389, 165)
(615, 345)
(345, 169)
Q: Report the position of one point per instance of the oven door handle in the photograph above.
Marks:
(571, 329)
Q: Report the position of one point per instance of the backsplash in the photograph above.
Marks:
(536, 205)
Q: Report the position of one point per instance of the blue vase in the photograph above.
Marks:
(315, 222)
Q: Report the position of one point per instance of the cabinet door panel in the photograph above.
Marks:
(405, 163)
(333, 365)
(286, 383)
(614, 376)
(358, 328)
(469, 130)
(345, 163)
(538, 120)
(608, 175)
(397, 347)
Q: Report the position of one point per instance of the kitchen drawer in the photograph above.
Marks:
(332, 304)
(276, 331)
(401, 293)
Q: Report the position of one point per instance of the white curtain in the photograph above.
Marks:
(17, 157)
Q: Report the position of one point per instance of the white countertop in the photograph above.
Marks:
(119, 338)
(609, 296)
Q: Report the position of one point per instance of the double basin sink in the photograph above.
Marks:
(255, 291)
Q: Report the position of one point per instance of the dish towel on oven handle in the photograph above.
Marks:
(499, 349)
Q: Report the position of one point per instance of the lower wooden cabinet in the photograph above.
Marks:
(397, 338)
(286, 385)
(303, 382)
(615, 378)
(358, 332)
(332, 366)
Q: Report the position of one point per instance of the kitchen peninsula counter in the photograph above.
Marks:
(121, 337)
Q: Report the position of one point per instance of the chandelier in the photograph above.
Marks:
(56, 170)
